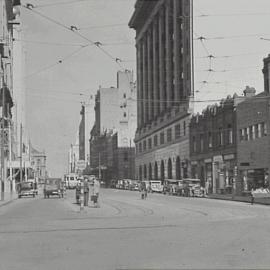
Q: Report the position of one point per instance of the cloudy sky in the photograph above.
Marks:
(63, 69)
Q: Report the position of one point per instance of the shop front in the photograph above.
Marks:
(254, 179)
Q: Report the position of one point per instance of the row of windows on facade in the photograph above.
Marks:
(177, 135)
(222, 137)
(253, 132)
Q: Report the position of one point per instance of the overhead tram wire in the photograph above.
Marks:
(68, 2)
(60, 61)
(74, 30)
(49, 43)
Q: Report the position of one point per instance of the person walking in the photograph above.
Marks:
(96, 189)
(252, 196)
(86, 191)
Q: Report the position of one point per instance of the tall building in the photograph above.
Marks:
(86, 124)
(7, 15)
(112, 138)
(73, 156)
(164, 87)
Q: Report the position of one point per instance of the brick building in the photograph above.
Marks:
(253, 140)
(164, 87)
(213, 146)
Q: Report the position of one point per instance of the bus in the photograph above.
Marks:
(71, 180)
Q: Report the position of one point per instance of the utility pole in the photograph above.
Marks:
(10, 156)
(2, 142)
(21, 178)
(99, 168)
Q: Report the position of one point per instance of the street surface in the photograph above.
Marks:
(162, 232)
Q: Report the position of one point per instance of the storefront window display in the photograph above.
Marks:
(255, 179)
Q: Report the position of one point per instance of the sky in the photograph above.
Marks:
(64, 69)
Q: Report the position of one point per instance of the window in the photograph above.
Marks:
(245, 134)
(155, 140)
(184, 128)
(264, 130)
(125, 114)
(140, 147)
(124, 95)
(210, 140)
(194, 144)
(220, 136)
(250, 134)
(230, 134)
(201, 142)
(253, 132)
(144, 145)
(256, 127)
(162, 138)
(241, 135)
(149, 143)
(177, 131)
(125, 156)
(169, 135)
(259, 131)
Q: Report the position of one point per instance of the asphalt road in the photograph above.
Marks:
(162, 232)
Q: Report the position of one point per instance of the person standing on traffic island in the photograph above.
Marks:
(96, 189)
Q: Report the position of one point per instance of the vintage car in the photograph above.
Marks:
(53, 187)
(26, 189)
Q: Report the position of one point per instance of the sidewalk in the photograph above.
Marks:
(246, 199)
(8, 198)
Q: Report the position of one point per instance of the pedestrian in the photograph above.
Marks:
(193, 191)
(95, 195)
(252, 196)
(86, 191)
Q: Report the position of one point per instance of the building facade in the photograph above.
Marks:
(112, 148)
(86, 124)
(164, 87)
(213, 147)
(253, 137)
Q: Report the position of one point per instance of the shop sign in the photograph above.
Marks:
(245, 164)
(194, 162)
(208, 160)
(217, 159)
(228, 157)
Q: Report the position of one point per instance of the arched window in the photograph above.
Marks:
(156, 171)
(178, 168)
(169, 168)
(150, 171)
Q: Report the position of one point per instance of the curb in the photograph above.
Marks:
(7, 202)
(239, 200)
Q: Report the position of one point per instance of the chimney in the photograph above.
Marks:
(266, 73)
(249, 92)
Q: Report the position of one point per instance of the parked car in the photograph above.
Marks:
(53, 187)
(26, 189)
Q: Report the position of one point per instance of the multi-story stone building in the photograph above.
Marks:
(112, 148)
(86, 124)
(164, 87)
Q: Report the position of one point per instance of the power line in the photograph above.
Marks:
(102, 26)
(67, 3)
(49, 43)
(55, 64)
(74, 30)
(231, 37)
(230, 56)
